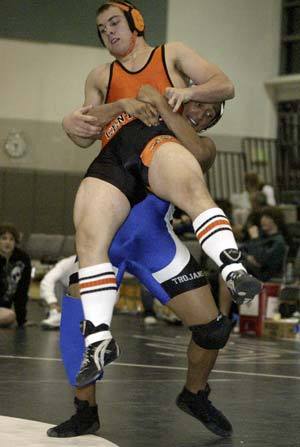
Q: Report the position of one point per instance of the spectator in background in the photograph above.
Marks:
(258, 203)
(15, 276)
(265, 251)
(256, 195)
(57, 276)
(254, 186)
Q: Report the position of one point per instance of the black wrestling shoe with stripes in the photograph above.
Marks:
(198, 406)
(96, 355)
(84, 422)
(243, 286)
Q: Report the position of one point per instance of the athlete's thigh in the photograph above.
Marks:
(175, 175)
(196, 306)
(100, 207)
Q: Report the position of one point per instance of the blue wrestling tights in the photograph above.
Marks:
(71, 339)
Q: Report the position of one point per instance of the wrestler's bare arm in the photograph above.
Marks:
(202, 148)
(84, 125)
(211, 84)
(83, 128)
(143, 111)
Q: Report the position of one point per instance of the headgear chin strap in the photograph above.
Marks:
(133, 16)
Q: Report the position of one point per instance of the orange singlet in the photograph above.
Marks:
(126, 84)
(127, 155)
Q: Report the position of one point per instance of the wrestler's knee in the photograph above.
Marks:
(213, 335)
(89, 241)
(7, 317)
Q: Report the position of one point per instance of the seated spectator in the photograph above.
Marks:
(264, 252)
(58, 276)
(256, 195)
(254, 186)
(15, 276)
(258, 203)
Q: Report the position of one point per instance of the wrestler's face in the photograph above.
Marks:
(115, 32)
(7, 244)
(199, 114)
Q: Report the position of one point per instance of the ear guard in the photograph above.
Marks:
(133, 16)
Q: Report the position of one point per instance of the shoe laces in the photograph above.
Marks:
(88, 357)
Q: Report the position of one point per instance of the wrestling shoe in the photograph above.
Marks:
(198, 406)
(84, 422)
(243, 286)
(96, 355)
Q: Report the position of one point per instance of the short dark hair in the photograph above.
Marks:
(110, 3)
(103, 7)
(11, 229)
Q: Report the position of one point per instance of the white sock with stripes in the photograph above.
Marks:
(98, 291)
(214, 232)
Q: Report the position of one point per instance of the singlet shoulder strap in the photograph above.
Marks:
(163, 55)
(109, 80)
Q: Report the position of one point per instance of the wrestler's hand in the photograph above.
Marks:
(145, 112)
(149, 94)
(81, 124)
(177, 96)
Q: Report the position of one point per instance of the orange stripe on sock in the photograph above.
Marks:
(211, 226)
(98, 282)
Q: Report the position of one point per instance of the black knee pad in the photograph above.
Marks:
(213, 335)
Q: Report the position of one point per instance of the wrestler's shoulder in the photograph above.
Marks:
(99, 74)
(175, 47)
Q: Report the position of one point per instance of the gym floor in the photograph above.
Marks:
(255, 383)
